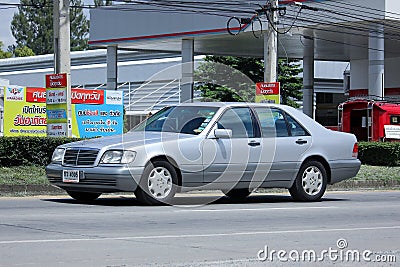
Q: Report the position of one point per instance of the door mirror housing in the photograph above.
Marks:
(223, 133)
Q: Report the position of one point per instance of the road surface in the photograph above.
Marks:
(118, 231)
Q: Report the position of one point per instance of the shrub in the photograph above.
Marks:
(17, 151)
(379, 153)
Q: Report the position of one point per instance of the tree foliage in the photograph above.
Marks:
(23, 52)
(103, 3)
(219, 82)
(253, 68)
(291, 83)
(32, 26)
(4, 54)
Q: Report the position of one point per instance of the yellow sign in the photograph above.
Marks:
(24, 112)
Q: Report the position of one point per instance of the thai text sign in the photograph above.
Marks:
(268, 92)
(56, 104)
(101, 114)
(392, 131)
(94, 113)
(24, 115)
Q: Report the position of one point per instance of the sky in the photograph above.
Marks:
(6, 15)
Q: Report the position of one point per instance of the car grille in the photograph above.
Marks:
(80, 157)
(88, 181)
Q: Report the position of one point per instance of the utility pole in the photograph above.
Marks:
(271, 46)
(62, 59)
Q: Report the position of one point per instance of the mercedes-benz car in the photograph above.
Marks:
(233, 147)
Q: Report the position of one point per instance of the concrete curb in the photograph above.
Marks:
(345, 185)
(30, 189)
(366, 184)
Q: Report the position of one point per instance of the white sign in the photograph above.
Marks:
(15, 93)
(392, 131)
(56, 96)
(57, 129)
(113, 97)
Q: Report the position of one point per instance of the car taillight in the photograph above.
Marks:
(355, 151)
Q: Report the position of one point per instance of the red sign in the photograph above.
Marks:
(35, 95)
(56, 80)
(267, 88)
(83, 96)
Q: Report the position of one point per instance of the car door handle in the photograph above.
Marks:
(254, 143)
(301, 142)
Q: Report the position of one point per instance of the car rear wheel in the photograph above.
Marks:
(158, 184)
(237, 194)
(310, 183)
(83, 196)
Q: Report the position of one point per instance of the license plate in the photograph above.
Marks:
(70, 176)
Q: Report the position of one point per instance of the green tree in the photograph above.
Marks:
(32, 26)
(23, 52)
(291, 83)
(218, 82)
(4, 54)
(288, 72)
(103, 3)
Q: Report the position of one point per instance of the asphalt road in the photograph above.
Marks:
(118, 231)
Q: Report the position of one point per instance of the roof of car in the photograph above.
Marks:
(230, 104)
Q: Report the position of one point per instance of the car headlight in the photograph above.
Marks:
(58, 155)
(118, 157)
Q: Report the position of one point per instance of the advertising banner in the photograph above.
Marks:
(268, 92)
(56, 104)
(97, 113)
(94, 113)
(24, 111)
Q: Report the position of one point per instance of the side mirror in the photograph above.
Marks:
(223, 133)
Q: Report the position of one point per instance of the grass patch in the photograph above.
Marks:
(23, 175)
(368, 172)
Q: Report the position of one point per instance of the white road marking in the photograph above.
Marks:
(254, 209)
(301, 231)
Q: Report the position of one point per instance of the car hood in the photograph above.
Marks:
(131, 139)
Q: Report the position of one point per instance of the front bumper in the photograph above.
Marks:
(101, 179)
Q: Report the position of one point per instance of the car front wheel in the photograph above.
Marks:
(310, 183)
(83, 196)
(158, 184)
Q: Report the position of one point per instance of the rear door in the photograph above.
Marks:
(289, 138)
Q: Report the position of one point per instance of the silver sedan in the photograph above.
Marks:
(233, 147)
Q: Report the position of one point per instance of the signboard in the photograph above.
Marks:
(392, 131)
(91, 119)
(268, 92)
(56, 104)
(94, 113)
(24, 111)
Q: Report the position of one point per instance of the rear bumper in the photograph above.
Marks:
(344, 169)
(101, 179)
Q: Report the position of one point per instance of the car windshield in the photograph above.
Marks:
(181, 119)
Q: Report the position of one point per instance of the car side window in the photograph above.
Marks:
(239, 120)
(295, 128)
(272, 122)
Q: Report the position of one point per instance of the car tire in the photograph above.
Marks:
(237, 194)
(310, 183)
(158, 183)
(83, 196)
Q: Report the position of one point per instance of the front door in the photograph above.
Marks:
(233, 159)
